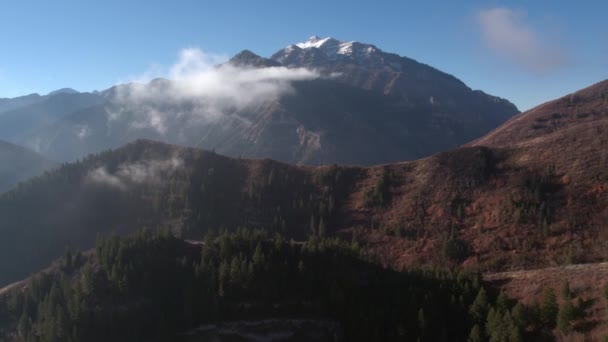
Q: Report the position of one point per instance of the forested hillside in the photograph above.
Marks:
(147, 184)
(155, 287)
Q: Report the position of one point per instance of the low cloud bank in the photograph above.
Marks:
(197, 88)
(149, 171)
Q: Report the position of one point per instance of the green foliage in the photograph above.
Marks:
(500, 327)
(565, 314)
(565, 290)
(532, 203)
(153, 286)
(456, 249)
(322, 228)
(549, 307)
(479, 308)
(379, 195)
(475, 334)
(502, 302)
(519, 315)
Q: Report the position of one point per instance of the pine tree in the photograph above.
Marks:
(492, 322)
(321, 228)
(475, 334)
(422, 322)
(479, 308)
(515, 334)
(565, 291)
(24, 326)
(258, 257)
(235, 271)
(565, 315)
(549, 307)
(502, 302)
(313, 226)
(519, 315)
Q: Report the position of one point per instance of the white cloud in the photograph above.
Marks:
(507, 33)
(82, 132)
(148, 171)
(202, 89)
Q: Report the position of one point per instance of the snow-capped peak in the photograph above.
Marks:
(330, 46)
(315, 50)
(313, 42)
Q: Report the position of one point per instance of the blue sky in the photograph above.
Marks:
(526, 51)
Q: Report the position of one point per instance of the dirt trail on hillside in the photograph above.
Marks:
(570, 271)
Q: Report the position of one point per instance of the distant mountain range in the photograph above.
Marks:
(19, 164)
(23, 118)
(366, 107)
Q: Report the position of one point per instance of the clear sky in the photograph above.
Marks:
(526, 51)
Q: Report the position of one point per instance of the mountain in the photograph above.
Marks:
(7, 104)
(418, 85)
(536, 203)
(64, 91)
(23, 117)
(247, 58)
(19, 164)
(366, 107)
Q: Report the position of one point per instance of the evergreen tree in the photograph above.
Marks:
(258, 257)
(479, 308)
(502, 302)
(24, 326)
(492, 322)
(475, 334)
(565, 290)
(422, 322)
(549, 307)
(313, 226)
(565, 314)
(519, 315)
(322, 228)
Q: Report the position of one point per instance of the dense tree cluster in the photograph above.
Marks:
(379, 194)
(154, 286)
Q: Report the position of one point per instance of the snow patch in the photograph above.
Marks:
(313, 42)
(332, 47)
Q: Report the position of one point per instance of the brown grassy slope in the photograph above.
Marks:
(529, 200)
(584, 106)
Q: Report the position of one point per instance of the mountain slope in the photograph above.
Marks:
(21, 122)
(364, 109)
(18, 164)
(7, 104)
(581, 108)
(417, 84)
(492, 208)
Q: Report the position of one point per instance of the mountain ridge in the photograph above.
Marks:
(487, 208)
(355, 113)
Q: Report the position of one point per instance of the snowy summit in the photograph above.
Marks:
(332, 47)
